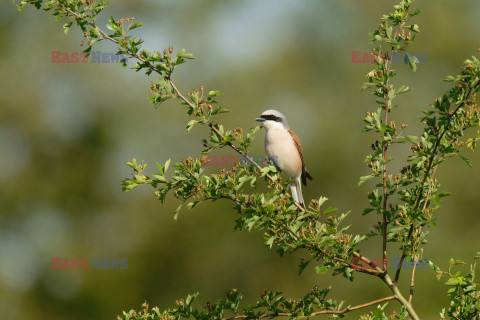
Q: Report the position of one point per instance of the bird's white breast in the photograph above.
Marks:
(280, 147)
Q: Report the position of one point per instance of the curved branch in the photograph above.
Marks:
(178, 93)
(318, 313)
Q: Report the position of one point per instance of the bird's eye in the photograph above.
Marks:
(271, 117)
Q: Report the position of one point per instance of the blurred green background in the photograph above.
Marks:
(66, 131)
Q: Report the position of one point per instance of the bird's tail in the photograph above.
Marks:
(296, 189)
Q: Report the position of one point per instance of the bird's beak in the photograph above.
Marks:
(259, 119)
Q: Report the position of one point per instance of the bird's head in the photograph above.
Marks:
(271, 119)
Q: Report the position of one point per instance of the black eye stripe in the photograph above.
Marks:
(271, 117)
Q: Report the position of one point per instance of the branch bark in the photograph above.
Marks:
(398, 295)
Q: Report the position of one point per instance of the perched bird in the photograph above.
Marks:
(284, 149)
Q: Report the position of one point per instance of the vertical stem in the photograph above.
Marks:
(384, 207)
(385, 195)
(412, 281)
(385, 150)
(386, 278)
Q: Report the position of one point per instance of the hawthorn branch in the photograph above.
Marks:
(398, 295)
(376, 271)
(426, 175)
(412, 280)
(318, 313)
(213, 128)
(385, 152)
(177, 92)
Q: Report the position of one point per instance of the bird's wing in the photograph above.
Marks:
(298, 145)
(305, 173)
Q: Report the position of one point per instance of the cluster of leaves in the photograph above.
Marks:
(274, 212)
(414, 187)
(396, 34)
(443, 137)
(83, 13)
(271, 304)
(464, 292)
(286, 225)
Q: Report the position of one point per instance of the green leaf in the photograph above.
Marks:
(321, 201)
(403, 89)
(190, 125)
(329, 210)
(412, 139)
(414, 28)
(167, 164)
(176, 212)
(452, 282)
(388, 31)
(159, 178)
(160, 168)
(96, 32)
(136, 25)
(303, 265)
(466, 160)
(411, 60)
(270, 241)
(367, 85)
(215, 93)
(182, 54)
(66, 27)
(194, 98)
(367, 210)
(384, 128)
(321, 270)
(365, 179)
(190, 298)
(267, 170)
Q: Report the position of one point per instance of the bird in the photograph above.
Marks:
(283, 147)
